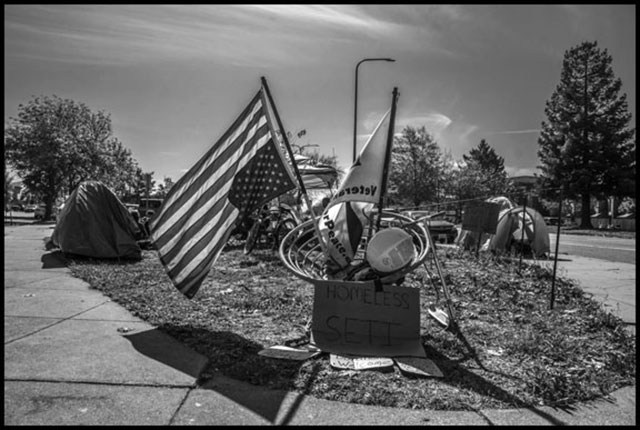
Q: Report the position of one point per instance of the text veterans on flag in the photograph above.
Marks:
(345, 217)
(243, 170)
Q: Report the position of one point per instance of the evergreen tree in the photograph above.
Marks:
(482, 174)
(485, 157)
(585, 146)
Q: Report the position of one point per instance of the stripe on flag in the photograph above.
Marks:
(242, 171)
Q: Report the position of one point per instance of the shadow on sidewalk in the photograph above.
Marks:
(155, 345)
(260, 400)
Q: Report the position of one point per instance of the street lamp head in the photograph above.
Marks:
(374, 59)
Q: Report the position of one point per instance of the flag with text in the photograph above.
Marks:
(345, 217)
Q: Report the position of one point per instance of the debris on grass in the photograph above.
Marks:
(505, 348)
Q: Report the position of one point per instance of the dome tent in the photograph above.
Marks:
(95, 223)
(509, 231)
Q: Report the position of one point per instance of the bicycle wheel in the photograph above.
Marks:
(283, 228)
(252, 237)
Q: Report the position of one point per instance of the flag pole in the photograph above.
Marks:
(303, 189)
(387, 156)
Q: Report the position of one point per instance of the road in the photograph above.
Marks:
(604, 248)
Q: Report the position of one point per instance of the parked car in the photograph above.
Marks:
(16, 207)
(38, 213)
(30, 207)
(132, 207)
(441, 230)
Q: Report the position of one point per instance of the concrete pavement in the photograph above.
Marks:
(73, 357)
(612, 284)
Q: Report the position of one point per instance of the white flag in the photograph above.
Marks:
(363, 181)
(345, 217)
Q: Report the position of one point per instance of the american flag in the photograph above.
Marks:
(243, 170)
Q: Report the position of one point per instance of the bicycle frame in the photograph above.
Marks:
(270, 226)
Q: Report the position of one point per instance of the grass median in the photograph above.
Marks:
(509, 350)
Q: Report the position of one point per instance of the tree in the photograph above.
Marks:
(54, 144)
(485, 157)
(415, 168)
(145, 183)
(117, 168)
(8, 187)
(482, 173)
(314, 158)
(627, 205)
(164, 187)
(585, 146)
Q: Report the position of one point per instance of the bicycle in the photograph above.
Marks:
(270, 226)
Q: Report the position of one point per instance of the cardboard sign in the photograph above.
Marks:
(481, 217)
(358, 363)
(354, 318)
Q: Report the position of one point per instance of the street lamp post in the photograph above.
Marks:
(355, 108)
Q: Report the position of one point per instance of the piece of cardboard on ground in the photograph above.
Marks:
(350, 362)
(418, 366)
(288, 353)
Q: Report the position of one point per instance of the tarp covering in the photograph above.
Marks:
(504, 202)
(509, 231)
(95, 223)
(472, 239)
(317, 177)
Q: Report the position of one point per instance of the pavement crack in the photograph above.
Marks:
(182, 402)
(112, 384)
(59, 320)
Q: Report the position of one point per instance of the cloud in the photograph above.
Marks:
(458, 138)
(537, 130)
(131, 34)
(455, 136)
(435, 123)
(328, 16)
(229, 34)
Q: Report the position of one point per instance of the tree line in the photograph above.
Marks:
(55, 143)
(423, 175)
(585, 148)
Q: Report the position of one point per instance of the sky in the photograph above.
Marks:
(174, 77)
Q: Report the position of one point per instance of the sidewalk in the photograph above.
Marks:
(73, 357)
(612, 284)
